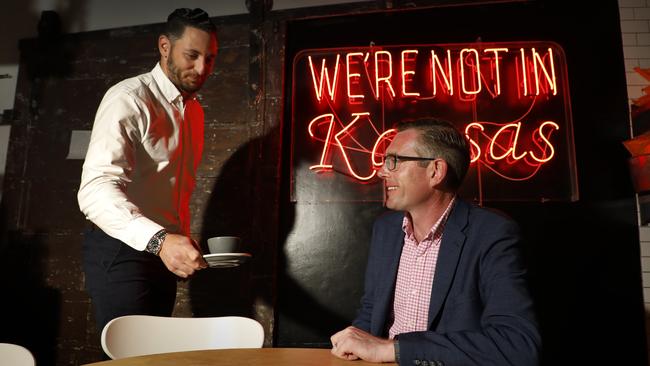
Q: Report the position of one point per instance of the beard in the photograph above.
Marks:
(180, 80)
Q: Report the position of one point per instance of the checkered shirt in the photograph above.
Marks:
(417, 266)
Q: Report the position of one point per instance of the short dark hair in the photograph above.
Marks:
(440, 139)
(181, 18)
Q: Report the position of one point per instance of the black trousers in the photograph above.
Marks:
(123, 281)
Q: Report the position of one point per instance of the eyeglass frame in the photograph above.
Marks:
(397, 158)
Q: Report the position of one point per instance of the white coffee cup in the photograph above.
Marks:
(223, 244)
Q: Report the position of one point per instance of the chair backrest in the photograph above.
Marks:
(136, 335)
(15, 355)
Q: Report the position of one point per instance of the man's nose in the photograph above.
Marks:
(200, 66)
(383, 172)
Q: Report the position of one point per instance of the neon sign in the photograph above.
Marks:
(510, 99)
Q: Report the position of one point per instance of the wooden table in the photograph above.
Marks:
(253, 356)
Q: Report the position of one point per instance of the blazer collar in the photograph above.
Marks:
(451, 246)
(395, 239)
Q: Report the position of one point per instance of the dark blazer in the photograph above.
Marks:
(480, 312)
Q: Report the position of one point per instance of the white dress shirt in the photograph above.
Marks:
(139, 172)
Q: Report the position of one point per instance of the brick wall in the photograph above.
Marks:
(60, 84)
(635, 29)
(644, 235)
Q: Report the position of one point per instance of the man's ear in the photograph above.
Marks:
(437, 171)
(164, 46)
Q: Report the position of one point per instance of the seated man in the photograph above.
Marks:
(445, 282)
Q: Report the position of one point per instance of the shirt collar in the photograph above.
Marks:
(436, 229)
(166, 86)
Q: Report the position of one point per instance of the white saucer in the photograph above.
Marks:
(225, 260)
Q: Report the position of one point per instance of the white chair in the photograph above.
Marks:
(15, 355)
(137, 335)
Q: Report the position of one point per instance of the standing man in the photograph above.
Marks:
(139, 174)
(445, 281)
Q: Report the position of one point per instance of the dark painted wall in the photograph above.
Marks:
(583, 256)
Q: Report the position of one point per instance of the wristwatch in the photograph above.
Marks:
(155, 243)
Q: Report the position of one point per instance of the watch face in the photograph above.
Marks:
(154, 245)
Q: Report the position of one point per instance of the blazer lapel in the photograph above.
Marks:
(451, 247)
(395, 238)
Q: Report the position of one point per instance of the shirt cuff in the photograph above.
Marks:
(142, 230)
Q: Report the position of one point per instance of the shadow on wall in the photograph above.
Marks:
(231, 211)
(19, 20)
(243, 203)
(22, 19)
(30, 310)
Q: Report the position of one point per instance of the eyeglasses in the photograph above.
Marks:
(391, 160)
